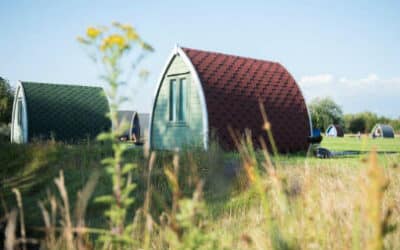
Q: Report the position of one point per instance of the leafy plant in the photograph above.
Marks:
(111, 47)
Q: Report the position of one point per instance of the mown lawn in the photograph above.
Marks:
(352, 143)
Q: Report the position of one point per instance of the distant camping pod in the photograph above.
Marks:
(334, 130)
(136, 125)
(201, 93)
(56, 111)
(144, 123)
(383, 131)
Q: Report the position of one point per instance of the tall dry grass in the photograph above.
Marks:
(270, 206)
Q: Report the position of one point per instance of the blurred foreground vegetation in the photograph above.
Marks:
(246, 200)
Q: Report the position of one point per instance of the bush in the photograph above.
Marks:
(6, 101)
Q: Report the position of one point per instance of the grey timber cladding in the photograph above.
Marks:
(166, 134)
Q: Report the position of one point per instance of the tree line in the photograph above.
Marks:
(324, 111)
(6, 103)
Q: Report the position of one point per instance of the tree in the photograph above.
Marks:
(325, 111)
(371, 119)
(396, 125)
(6, 101)
(355, 123)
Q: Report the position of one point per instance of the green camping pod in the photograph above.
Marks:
(68, 113)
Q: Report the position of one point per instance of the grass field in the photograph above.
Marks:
(364, 144)
(312, 203)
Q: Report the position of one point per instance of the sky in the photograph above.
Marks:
(347, 50)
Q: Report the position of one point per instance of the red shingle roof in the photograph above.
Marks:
(234, 85)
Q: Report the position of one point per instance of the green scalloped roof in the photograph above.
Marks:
(67, 112)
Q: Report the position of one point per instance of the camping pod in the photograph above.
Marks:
(135, 125)
(129, 121)
(68, 113)
(144, 120)
(334, 130)
(382, 130)
(200, 94)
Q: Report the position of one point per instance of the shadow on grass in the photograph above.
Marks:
(353, 153)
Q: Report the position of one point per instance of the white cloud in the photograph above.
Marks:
(316, 79)
(343, 80)
(370, 92)
(371, 78)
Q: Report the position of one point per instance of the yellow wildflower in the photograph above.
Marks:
(113, 40)
(130, 32)
(93, 32)
(126, 27)
(132, 35)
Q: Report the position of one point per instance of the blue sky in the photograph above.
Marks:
(347, 50)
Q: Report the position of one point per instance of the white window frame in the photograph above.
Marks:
(178, 99)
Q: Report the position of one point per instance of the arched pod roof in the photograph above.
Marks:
(144, 119)
(385, 131)
(127, 116)
(233, 87)
(338, 130)
(67, 112)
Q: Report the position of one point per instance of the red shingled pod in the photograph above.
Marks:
(233, 87)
